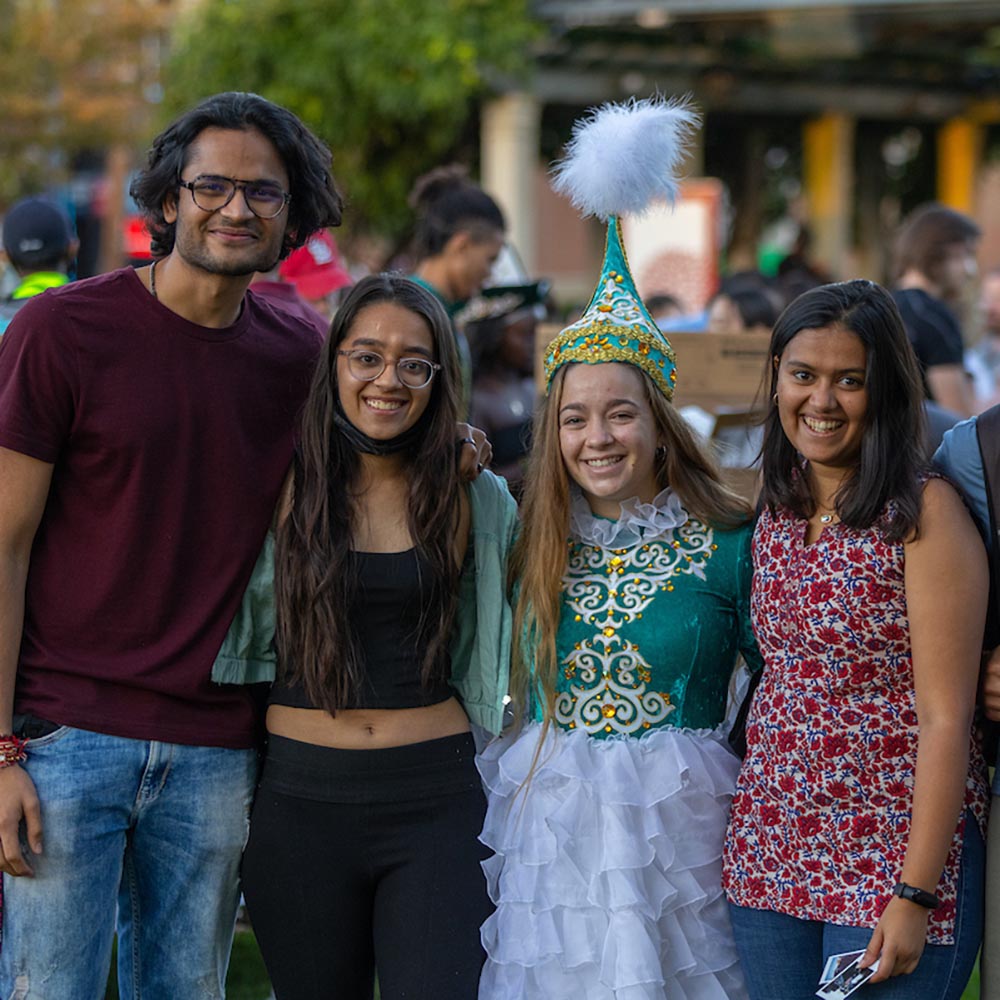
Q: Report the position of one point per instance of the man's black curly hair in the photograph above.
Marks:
(315, 203)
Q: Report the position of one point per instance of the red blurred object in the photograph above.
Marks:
(316, 269)
(136, 239)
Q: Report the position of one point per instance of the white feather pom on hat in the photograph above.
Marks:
(622, 157)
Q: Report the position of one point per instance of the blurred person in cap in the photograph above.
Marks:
(305, 282)
(41, 246)
(317, 271)
(500, 326)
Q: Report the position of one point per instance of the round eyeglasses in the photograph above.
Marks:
(210, 193)
(366, 366)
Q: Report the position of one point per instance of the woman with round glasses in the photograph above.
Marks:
(393, 638)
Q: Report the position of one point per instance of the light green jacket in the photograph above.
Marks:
(480, 647)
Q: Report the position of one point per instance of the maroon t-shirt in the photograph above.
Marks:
(170, 443)
(284, 297)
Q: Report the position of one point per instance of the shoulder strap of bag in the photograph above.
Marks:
(988, 439)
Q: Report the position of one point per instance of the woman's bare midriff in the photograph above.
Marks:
(368, 728)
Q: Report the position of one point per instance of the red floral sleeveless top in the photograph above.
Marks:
(821, 816)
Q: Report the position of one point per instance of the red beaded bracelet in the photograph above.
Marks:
(12, 750)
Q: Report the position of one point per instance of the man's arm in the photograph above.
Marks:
(24, 488)
(959, 459)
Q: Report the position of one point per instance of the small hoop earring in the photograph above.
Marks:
(774, 399)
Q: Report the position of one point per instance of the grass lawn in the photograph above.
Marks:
(972, 990)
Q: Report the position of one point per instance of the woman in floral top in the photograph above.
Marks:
(859, 813)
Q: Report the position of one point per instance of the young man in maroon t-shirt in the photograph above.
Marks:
(146, 425)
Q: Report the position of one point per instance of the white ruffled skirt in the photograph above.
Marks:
(607, 867)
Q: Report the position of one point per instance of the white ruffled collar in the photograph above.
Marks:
(638, 522)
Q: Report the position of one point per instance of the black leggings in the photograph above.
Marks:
(360, 859)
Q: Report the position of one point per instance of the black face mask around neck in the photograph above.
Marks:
(371, 446)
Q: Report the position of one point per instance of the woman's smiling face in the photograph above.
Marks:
(822, 395)
(384, 407)
(608, 435)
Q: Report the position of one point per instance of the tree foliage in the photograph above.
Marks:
(75, 75)
(387, 84)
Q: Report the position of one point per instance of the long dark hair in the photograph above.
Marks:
(316, 203)
(315, 587)
(892, 448)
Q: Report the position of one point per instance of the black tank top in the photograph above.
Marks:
(385, 614)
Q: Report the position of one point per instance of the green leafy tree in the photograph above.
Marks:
(75, 75)
(388, 84)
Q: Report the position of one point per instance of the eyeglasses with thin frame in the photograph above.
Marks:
(210, 193)
(366, 366)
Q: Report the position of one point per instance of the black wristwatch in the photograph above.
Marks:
(919, 896)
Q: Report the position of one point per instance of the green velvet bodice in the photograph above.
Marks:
(649, 634)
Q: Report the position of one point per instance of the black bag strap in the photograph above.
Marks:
(988, 439)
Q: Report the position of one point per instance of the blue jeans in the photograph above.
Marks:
(783, 956)
(152, 829)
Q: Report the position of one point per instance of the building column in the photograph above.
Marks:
(828, 174)
(959, 148)
(509, 148)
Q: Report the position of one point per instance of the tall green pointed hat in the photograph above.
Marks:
(620, 159)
